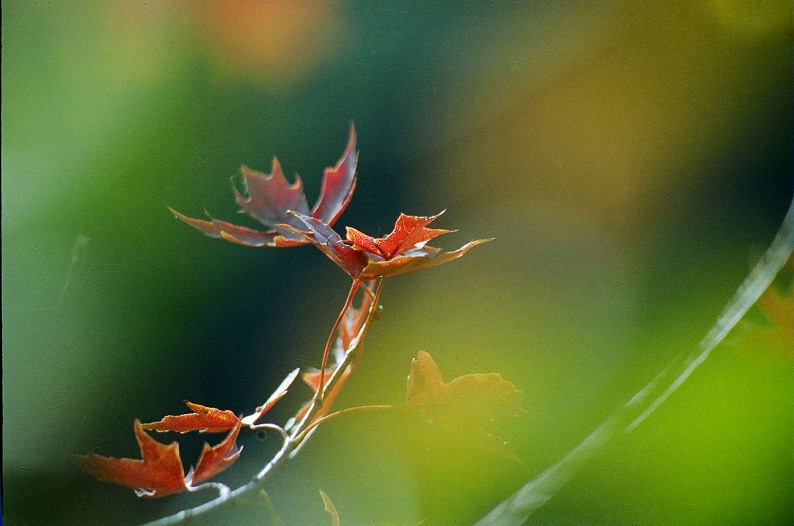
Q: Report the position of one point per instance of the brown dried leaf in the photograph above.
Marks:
(331, 509)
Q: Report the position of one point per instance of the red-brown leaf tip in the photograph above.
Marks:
(217, 458)
(158, 473)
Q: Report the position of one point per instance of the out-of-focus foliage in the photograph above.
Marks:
(465, 405)
(628, 157)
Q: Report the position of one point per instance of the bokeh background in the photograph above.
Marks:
(632, 160)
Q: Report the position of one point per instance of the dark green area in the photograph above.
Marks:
(631, 161)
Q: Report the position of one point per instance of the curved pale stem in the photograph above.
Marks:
(355, 409)
(516, 509)
(291, 442)
(353, 289)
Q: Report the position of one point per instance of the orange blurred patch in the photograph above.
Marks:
(778, 336)
(770, 338)
(274, 41)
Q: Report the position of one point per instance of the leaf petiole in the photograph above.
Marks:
(275, 427)
(222, 489)
(354, 409)
(353, 289)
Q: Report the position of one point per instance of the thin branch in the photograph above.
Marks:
(353, 289)
(355, 409)
(275, 427)
(515, 510)
(350, 355)
(222, 489)
(759, 279)
(290, 443)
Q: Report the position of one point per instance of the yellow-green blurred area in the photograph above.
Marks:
(632, 160)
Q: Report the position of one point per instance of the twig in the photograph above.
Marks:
(279, 429)
(759, 279)
(355, 409)
(222, 489)
(353, 289)
(349, 358)
(515, 510)
(291, 442)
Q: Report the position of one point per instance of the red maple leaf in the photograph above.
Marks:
(269, 197)
(330, 243)
(409, 233)
(158, 473)
(363, 257)
(217, 458)
(204, 419)
(282, 207)
(415, 260)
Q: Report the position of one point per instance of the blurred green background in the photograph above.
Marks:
(632, 160)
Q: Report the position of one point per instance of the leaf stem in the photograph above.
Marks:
(355, 409)
(353, 289)
(350, 356)
(275, 427)
(291, 442)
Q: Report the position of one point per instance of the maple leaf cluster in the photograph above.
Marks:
(282, 207)
(160, 472)
(460, 406)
